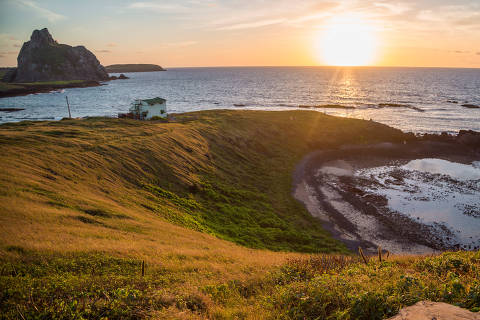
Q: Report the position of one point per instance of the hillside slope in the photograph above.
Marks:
(224, 173)
(84, 202)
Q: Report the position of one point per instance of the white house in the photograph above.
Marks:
(146, 109)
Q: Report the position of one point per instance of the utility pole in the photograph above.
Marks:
(68, 106)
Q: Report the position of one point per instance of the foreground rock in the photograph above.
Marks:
(425, 310)
(44, 59)
(120, 77)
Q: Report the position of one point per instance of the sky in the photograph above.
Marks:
(198, 33)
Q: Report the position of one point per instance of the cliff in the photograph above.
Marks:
(44, 59)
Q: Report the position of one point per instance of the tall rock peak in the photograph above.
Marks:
(44, 59)
(41, 38)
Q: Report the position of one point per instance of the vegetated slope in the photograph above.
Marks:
(118, 68)
(83, 202)
(224, 173)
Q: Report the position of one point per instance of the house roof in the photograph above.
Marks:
(156, 100)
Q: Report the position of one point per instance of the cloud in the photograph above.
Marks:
(478, 53)
(159, 7)
(103, 51)
(49, 15)
(255, 24)
(111, 44)
(180, 44)
(8, 53)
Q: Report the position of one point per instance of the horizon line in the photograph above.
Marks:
(291, 66)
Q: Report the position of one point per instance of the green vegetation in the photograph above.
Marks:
(3, 71)
(377, 290)
(54, 56)
(235, 167)
(244, 217)
(8, 86)
(205, 200)
(92, 286)
(49, 83)
(40, 86)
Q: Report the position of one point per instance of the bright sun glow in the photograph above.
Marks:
(347, 41)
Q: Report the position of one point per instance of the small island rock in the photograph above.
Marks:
(44, 59)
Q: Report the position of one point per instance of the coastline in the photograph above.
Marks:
(324, 183)
(20, 89)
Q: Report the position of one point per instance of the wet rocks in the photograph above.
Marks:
(470, 106)
(10, 109)
(398, 105)
(326, 106)
(120, 77)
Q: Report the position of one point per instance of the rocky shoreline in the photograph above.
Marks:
(26, 89)
(325, 183)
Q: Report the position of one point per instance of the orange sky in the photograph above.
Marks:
(176, 33)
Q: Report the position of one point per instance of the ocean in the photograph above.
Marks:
(430, 99)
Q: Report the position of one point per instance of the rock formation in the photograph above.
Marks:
(44, 59)
(425, 310)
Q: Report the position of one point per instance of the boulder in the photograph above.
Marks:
(44, 59)
(426, 310)
(123, 77)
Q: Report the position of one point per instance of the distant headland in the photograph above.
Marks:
(118, 68)
(43, 65)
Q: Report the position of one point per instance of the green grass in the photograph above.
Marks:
(49, 83)
(8, 86)
(231, 176)
(92, 286)
(3, 71)
(206, 201)
(4, 87)
(329, 287)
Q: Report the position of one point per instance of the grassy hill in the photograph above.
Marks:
(204, 200)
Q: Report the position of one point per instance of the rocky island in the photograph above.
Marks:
(45, 65)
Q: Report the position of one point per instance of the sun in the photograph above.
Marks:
(346, 41)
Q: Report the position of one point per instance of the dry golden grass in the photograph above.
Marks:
(75, 186)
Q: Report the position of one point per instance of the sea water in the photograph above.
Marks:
(438, 92)
(436, 192)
